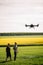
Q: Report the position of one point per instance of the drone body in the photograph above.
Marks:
(31, 25)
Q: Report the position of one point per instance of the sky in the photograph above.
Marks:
(14, 14)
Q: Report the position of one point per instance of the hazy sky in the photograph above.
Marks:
(14, 14)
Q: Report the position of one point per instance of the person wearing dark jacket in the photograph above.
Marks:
(8, 53)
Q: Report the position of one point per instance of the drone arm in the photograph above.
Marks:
(27, 25)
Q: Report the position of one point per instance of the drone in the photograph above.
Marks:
(31, 25)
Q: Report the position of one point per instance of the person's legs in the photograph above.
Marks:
(14, 55)
(6, 57)
(10, 57)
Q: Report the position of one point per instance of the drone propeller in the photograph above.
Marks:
(26, 25)
(37, 25)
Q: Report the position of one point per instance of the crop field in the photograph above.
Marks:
(21, 40)
(27, 55)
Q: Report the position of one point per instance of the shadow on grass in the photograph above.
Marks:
(4, 61)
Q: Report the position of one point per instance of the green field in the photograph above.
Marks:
(27, 55)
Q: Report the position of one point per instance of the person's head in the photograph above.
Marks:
(15, 43)
(8, 45)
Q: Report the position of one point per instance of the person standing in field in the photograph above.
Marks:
(8, 53)
(15, 50)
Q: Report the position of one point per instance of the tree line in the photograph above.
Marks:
(19, 34)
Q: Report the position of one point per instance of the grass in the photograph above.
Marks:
(27, 55)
